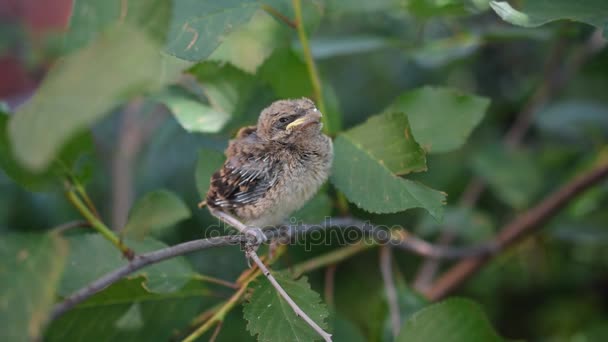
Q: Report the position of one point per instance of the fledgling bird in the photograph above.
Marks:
(272, 169)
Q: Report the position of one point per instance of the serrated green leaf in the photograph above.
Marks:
(272, 319)
(250, 45)
(454, 320)
(76, 92)
(534, 13)
(198, 26)
(441, 118)
(91, 256)
(208, 162)
(373, 187)
(51, 178)
(388, 139)
(193, 115)
(154, 212)
(125, 311)
(29, 275)
(513, 176)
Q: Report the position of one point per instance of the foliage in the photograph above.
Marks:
(138, 99)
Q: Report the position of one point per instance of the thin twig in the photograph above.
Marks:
(555, 77)
(386, 269)
(97, 224)
(329, 258)
(520, 227)
(280, 16)
(213, 280)
(216, 331)
(220, 314)
(296, 309)
(330, 284)
(62, 228)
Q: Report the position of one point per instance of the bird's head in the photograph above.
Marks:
(290, 121)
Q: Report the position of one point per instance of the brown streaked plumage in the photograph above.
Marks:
(274, 168)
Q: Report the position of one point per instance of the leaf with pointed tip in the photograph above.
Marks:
(441, 118)
(366, 159)
(272, 319)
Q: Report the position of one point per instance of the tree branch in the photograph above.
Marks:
(521, 226)
(398, 238)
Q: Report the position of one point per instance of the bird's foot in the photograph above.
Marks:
(257, 236)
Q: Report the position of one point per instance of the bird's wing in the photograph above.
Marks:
(244, 178)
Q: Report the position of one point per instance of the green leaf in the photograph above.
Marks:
(198, 26)
(91, 17)
(154, 212)
(46, 180)
(441, 118)
(250, 45)
(370, 184)
(91, 256)
(513, 176)
(272, 319)
(388, 139)
(125, 311)
(29, 275)
(208, 162)
(454, 320)
(77, 92)
(193, 115)
(534, 13)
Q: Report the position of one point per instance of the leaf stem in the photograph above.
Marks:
(219, 315)
(330, 258)
(310, 65)
(97, 224)
(273, 12)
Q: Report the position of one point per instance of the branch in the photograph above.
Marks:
(555, 77)
(520, 227)
(296, 309)
(398, 238)
(391, 292)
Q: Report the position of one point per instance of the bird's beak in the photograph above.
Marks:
(309, 119)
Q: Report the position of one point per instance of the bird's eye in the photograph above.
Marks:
(283, 120)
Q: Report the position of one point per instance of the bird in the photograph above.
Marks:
(272, 169)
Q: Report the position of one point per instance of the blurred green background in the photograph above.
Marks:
(143, 121)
